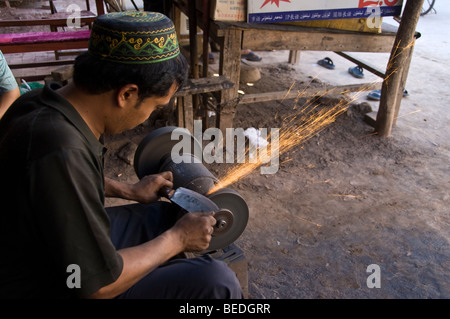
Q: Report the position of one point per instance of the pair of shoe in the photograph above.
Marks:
(251, 57)
(356, 71)
(327, 63)
(376, 95)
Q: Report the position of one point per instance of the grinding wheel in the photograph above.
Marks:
(157, 146)
(154, 155)
(232, 218)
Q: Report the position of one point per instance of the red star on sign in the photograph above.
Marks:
(277, 2)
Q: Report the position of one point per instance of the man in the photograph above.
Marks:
(51, 160)
(9, 90)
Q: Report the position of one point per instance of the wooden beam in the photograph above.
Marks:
(205, 85)
(400, 55)
(362, 64)
(40, 64)
(44, 46)
(314, 40)
(308, 92)
(56, 21)
(230, 66)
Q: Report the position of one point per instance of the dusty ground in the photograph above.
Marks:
(345, 199)
(340, 202)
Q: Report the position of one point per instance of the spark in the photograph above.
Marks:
(287, 160)
(308, 221)
(416, 111)
(296, 130)
(302, 125)
(346, 196)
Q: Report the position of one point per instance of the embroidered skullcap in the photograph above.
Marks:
(133, 37)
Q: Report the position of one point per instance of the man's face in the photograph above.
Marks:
(136, 112)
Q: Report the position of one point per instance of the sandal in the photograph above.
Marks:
(327, 63)
(251, 57)
(376, 95)
(211, 58)
(356, 71)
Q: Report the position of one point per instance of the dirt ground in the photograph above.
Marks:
(346, 198)
(340, 202)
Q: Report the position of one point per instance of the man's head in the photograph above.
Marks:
(131, 47)
(134, 50)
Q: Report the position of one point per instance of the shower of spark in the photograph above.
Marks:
(297, 128)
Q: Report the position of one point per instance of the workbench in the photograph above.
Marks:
(53, 40)
(234, 36)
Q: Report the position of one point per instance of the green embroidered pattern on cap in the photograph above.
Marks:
(134, 37)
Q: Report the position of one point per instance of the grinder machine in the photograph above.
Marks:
(192, 182)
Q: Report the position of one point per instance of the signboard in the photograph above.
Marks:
(273, 11)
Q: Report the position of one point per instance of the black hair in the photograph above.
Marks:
(96, 76)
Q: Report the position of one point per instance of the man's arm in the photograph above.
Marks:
(191, 233)
(8, 86)
(146, 191)
(7, 98)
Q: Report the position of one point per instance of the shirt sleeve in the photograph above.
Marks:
(69, 205)
(7, 80)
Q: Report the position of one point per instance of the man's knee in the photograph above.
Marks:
(219, 280)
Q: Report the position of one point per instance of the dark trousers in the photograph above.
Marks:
(179, 278)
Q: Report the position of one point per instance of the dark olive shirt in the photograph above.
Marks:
(52, 213)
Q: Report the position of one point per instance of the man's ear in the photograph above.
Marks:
(127, 94)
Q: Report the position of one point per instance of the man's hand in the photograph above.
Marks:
(194, 230)
(148, 190)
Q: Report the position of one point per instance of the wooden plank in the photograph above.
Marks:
(32, 78)
(205, 85)
(180, 111)
(40, 64)
(307, 92)
(316, 41)
(188, 113)
(44, 46)
(46, 21)
(362, 64)
(63, 73)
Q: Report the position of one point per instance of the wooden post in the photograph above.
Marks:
(230, 66)
(395, 70)
(100, 7)
(193, 39)
(294, 57)
(402, 87)
(204, 112)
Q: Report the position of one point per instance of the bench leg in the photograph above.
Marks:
(230, 65)
(294, 57)
(185, 113)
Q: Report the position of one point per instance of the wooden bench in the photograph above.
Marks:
(232, 37)
(71, 39)
(185, 98)
(43, 41)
